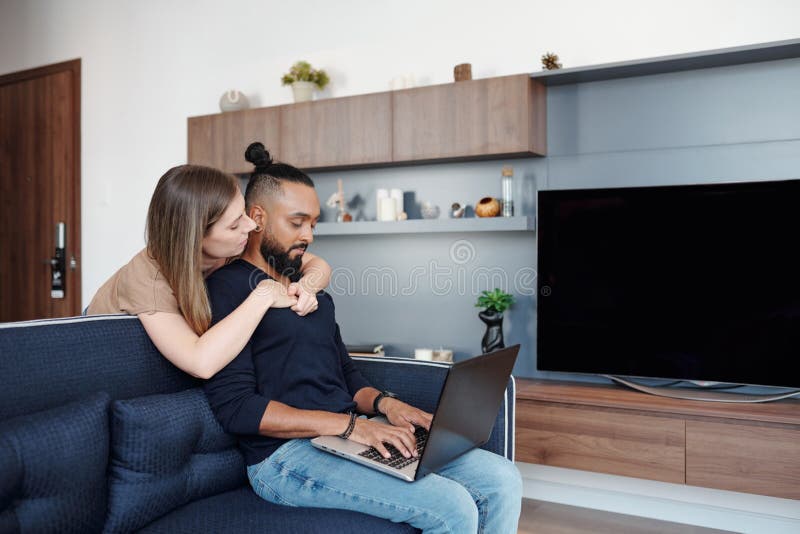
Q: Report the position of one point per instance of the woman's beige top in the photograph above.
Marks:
(137, 287)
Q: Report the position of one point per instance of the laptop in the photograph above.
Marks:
(468, 404)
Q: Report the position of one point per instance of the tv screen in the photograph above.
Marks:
(694, 282)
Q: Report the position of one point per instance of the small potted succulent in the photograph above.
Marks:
(494, 303)
(304, 80)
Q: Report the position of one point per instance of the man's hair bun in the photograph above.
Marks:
(257, 154)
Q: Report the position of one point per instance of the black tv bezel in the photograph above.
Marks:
(672, 188)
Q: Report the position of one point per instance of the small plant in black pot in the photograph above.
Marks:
(494, 303)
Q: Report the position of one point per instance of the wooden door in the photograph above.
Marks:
(39, 187)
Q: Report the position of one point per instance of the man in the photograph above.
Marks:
(294, 380)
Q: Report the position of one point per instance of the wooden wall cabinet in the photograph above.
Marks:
(616, 443)
(220, 140)
(751, 448)
(478, 119)
(744, 457)
(337, 132)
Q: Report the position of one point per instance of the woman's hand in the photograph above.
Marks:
(306, 300)
(281, 297)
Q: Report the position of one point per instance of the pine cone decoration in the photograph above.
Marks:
(550, 61)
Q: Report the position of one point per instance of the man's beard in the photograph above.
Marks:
(279, 259)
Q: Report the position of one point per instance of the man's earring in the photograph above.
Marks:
(258, 228)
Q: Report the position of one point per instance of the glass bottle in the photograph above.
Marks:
(508, 191)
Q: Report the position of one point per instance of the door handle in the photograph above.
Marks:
(58, 263)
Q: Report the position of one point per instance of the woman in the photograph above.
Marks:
(196, 223)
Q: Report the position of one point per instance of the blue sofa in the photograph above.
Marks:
(99, 432)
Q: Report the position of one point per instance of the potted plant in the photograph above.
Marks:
(494, 303)
(304, 80)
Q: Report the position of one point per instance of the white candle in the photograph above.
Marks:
(397, 195)
(387, 210)
(423, 354)
(379, 194)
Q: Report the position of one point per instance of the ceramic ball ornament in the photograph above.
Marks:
(487, 207)
(233, 100)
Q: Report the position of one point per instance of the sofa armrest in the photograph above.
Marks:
(420, 383)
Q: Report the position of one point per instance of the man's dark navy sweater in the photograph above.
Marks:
(299, 361)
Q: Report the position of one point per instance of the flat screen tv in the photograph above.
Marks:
(689, 282)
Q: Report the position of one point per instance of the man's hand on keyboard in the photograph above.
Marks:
(376, 434)
(404, 415)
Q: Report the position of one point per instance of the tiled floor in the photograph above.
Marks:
(550, 518)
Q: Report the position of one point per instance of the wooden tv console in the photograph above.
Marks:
(751, 448)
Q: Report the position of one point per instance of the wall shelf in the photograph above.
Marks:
(722, 57)
(426, 226)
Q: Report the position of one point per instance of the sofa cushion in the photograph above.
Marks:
(167, 450)
(244, 512)
(53, 468)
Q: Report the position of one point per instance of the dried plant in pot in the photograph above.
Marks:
(304, 80)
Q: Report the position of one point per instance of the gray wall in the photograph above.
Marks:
(739, 123)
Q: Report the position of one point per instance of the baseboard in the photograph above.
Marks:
(726, 510)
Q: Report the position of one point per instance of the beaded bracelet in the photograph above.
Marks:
(350, 426)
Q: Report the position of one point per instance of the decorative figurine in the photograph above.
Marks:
(336, 200)
(457, 210)
(550, 61)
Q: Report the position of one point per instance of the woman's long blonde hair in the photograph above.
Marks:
(186, 202)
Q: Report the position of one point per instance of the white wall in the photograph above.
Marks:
(148, 65)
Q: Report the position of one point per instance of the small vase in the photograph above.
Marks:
(487, 207)
(303, 91)
(493, 338)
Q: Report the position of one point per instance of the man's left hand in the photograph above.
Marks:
(306, 300)
(401, 414)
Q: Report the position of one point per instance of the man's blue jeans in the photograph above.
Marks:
(477, 492)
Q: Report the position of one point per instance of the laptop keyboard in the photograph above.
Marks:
(397, 460)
